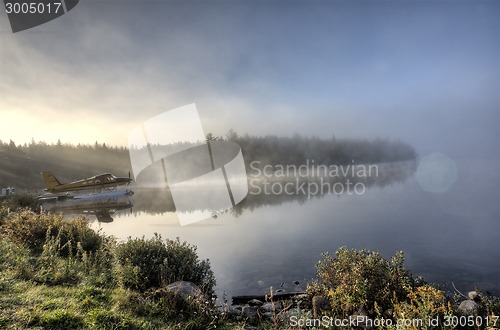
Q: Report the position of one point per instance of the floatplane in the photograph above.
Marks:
(106, 183)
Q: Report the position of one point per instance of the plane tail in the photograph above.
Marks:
(50, 180)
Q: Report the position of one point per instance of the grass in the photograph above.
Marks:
(30, 305)
(57, 273)
(27, 303)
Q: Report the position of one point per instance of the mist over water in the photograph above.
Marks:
(448, 237)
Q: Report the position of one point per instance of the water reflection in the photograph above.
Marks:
(269, 191)
(269, 239)
(101, 209)
(276, 190)
(263, 191)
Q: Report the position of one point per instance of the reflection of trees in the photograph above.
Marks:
(159, 201)
(389, 173)
(153, 201)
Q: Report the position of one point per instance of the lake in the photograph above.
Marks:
(449, 235)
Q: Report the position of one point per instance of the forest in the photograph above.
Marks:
(21, 164)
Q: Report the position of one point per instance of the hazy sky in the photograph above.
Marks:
(425, 72)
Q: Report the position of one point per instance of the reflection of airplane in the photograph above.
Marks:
(101, 209)
(96, 182)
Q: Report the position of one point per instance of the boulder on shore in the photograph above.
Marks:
(186, 290)
(468, 307)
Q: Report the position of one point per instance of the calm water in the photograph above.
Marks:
(451, 236)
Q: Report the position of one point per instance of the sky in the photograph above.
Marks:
(424, 72)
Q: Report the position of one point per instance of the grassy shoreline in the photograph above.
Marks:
(58, 273)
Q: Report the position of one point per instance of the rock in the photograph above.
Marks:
(268, 307)
(249, 312)
(474, 295)
(234, 310)
(255, 302)
(468, 307)
(185, 289)
(268, 315)
(320, 304)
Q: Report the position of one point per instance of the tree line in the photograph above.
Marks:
(296, 150)
(21, 164)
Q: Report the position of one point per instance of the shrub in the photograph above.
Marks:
(30, 229)
(141, 262)
(11, 255)
(99, 266)
(53, 269)
(51, 250)
(151, 263)
(182, 264)
(4, 212)
(424, 303)
(362, 279)
(18, 202)
(16, 259)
